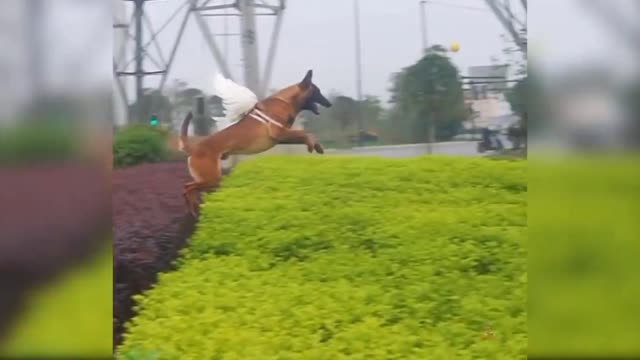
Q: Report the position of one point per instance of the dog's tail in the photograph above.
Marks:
(184, 129)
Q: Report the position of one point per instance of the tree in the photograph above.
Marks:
(372, 110)
(528, 98)
(338, 122)
(517, 96)
(428, 98)
(374, 117)
(186, 98)
(176, 86)
(153, 102)
(338, 125)
(185, 101)
(344, 111)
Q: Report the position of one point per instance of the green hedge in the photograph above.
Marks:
(301, 257)
(583, 218)
(42, 141)
(139, 144)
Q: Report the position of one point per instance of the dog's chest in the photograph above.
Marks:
(258, 145)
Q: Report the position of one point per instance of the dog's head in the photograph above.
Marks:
(311, 95)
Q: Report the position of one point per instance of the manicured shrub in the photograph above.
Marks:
(583, 219)
(301, 257)
(139, 144)
(42, 141)
(151, 223)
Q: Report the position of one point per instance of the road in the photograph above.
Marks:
(461, 148)
(464, 148)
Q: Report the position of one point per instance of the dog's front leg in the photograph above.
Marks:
(291, 136)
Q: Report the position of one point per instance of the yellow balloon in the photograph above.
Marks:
(455, 46)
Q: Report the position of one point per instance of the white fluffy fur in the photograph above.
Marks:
(236, 99)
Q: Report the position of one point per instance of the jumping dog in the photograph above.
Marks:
(266, 123)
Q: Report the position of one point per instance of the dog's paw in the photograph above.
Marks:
(318, 148)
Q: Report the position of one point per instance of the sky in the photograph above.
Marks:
(564, 35)
(319, 35)
(316, 34)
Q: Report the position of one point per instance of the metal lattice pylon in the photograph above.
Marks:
(515, 26)
(200, 10)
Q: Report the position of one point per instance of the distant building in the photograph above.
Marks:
(487, 98)
(492, 74)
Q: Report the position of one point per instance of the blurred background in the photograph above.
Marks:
(55, 163)
(406, 78)
(583, 178)
(360, 52)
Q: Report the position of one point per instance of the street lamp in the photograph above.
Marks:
(423, 24)
(356, 10)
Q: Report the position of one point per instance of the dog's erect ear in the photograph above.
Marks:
(306, 82)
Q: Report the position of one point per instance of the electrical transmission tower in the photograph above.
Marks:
(515, 26)
(200, 10)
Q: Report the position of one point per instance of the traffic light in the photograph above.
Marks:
(154, 120)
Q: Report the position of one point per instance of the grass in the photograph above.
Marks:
(301, 257)
(583, 220)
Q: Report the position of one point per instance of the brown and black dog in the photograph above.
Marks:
(267, 124)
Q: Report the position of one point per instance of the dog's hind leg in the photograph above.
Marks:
(192, 190)
(191, 198)
(208, 178)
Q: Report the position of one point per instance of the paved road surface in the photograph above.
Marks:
(464, 148)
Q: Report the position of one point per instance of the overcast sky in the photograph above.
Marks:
(316, 34)
(319, 35)
(564, 35)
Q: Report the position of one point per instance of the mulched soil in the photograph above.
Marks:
(52, 216)
(151, 224)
